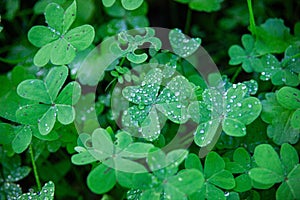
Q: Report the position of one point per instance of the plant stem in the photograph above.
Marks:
(251, 18)
(36, 175)
(235, 75)
(188, 21)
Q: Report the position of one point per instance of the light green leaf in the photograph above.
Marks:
(42, 57)
(293, 181)
(83, 158)
(69, 16)
(22, 139)
(181, 45)
(55, 80)
(47, 121)
(54, 13)
(193, 162)
(243, 183)
(205, 5)
(101, 179)
(296, 119)
(65, 114)
(108, 3)
(234, 127)
(102, 144)
(80, 37)
(70, 95)
(30, 114)
(41, 35)
(62, 52)
(30, 88)
(242, 157)
(131, 4)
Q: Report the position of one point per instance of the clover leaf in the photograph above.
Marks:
(284, 170)
(117, 158)
(132, 43)
(233, 109)
(204, 5)
(58, 43)
(48, 104)
(216, 177)
(272, 37)
(280, 127)
(47, 192)
(181, 45)
(166, 182)
(280, 73)
(247, 55)
(146, 99)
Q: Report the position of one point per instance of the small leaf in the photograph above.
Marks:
(29, 88)
(289, 157)
(47, 121)
(131, 4)
(69, 16)
(70, 95)
(62, 52)
(42, 57)
(193, 162)
(234, 127)
(181, 45)
(243, 183)
(41, 35)
(101, 179)
(54, 14)
(65, 114)
(80, 37)
(22, 139)
(296, 119)
(30, 114)
(289, 97)
(213, 164)
(223, 179)
(204, 5)
(265, 176)
(108, 3)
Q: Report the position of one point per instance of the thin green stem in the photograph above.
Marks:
(36, 175)
(122, 61)
(236, 74)
(251, 18)
(188, 21)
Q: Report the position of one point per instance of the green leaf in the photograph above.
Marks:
(29, 88)
(247, 56)
(18, 174)
(53, 14)
(6, 133)
(55, 80)
(223, 179)
(204, 5)
(47, 192)
(289, 157)
(65, 114)
(22, 139)
(213, 164)
(295, 119)
(69, 16)
(181, 45)
(42, 57)
(101, 179)
(47, 121)
(234, 127)
(187, 181)
(193, 162)
(83, 158)
(265, 176)
(293, 181)
(272, 37)
(108, 3)
(102, 144)
(243, 183)
(266, 157)
(80, 37)
(288, 97)
(242, 157)
(131, 4)
(30, 114)
(41, 35)
(70, 95)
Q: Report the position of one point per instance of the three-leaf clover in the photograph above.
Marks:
(279, 115)
(232, 109)
(215, 174)
(132, 43)
(166, 182)
(147, 99)
(58, 43)
(47, 192)
(48, 105)
(246, 56)
(271, 169)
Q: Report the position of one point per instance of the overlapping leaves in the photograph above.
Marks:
(271, 169)
(232, 109)
(47, 192)
(147, 99)
(58, 43)
(48, 104)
